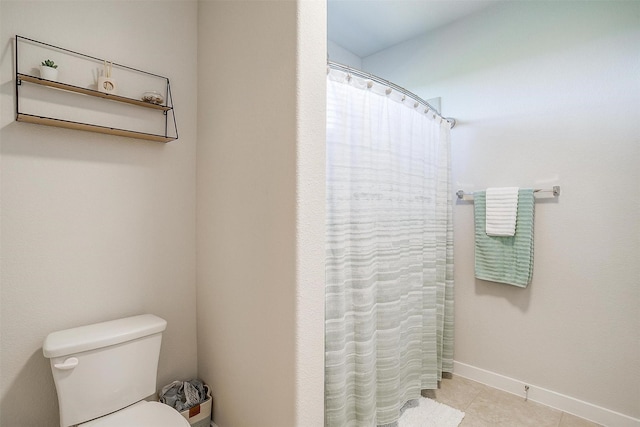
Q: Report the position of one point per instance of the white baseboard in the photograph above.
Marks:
(546, 397)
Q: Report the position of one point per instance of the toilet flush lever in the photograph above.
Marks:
(70, 363)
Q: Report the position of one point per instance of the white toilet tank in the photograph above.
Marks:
(104, 367)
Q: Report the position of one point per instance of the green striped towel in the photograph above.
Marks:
(505, 259)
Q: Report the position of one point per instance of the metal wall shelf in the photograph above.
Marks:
(70, 124)
(48, 121)
(90, 92)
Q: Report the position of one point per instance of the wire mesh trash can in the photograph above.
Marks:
(191, 398)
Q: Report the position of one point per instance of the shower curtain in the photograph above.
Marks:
(389, 264)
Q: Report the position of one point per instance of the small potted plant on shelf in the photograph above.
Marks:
(49, 70)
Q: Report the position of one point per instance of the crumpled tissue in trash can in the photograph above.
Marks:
(183, 395)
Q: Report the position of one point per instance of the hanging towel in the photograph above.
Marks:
(502, 208)
(505, 259)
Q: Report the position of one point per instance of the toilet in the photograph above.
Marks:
(103, 373)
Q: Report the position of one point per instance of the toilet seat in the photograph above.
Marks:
(140, 414)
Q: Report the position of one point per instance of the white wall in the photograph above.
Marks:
(95, 227)
(310, 216)
(343, 56)
(546, 93)
(261, 210)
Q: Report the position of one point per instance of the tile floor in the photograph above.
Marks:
(487, 407)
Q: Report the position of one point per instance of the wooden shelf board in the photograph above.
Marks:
(90, 92)
(48, 121)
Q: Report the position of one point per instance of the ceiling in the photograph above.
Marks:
(365, 27)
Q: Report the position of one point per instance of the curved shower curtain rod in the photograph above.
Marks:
(369, 76)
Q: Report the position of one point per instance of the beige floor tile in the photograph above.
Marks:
(569, 420)
(458, 392)
(503, 409)
(488, 407)
(473, 421)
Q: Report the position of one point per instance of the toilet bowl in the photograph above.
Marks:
(104, 372)
(141, 414)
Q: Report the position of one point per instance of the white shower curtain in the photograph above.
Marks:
(389, 265)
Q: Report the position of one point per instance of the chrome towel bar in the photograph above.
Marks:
(555, 190)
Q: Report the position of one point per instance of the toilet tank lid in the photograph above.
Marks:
(98, 335)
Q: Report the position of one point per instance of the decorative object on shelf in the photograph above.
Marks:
(106, 83)
(153, 97)
(49, 70)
